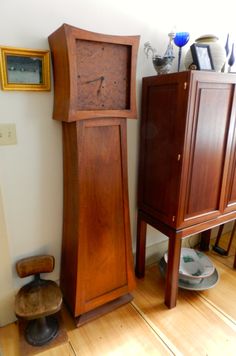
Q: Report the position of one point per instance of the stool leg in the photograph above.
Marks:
(40, 331)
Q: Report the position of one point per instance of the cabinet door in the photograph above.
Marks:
(162, 135)
(207, 142)
(229, 202)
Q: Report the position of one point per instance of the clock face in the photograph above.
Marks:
(103, 75)
(94, 74)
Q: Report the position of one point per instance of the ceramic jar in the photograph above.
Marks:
(217, 52)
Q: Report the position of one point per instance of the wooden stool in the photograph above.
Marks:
(38, 300)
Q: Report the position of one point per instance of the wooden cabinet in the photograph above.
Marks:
(187, 180)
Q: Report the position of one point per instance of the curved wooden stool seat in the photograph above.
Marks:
(38, 300)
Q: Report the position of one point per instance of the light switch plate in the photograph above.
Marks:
(8, 134)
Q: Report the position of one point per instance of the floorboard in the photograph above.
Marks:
(121, 332)
(193, 327)
(203, 323)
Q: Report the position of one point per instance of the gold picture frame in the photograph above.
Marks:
(24, 69)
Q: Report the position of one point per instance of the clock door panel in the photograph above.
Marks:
(209, 144)
(103, 218)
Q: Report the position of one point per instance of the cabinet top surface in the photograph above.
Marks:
(197, 74)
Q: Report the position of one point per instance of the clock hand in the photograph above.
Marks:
(100, 86)
(95, 80)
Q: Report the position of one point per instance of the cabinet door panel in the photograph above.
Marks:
(208, 146)
(162, 137)
(232, 189)
(230, 200)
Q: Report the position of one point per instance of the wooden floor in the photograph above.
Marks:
(203, 323)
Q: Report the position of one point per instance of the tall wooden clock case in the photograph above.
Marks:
(94, 79)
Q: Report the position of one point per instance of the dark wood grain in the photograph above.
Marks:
(141, 247)
(187, 161)
(211, 122)
(95, 91)
(97, 264)
(34, 265)
(205, 240)
(172, 274)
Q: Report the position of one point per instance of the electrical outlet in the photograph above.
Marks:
(8, 134)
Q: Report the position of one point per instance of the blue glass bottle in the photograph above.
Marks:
(180, 40)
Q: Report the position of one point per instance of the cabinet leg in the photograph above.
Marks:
(141, 247)
(172, 275)
(205, 240)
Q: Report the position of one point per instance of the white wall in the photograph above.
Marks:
(31, 171)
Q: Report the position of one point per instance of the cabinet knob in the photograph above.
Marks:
(179, 157)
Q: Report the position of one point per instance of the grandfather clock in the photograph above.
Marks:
(95, 91)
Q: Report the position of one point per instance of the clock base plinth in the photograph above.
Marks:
(103, 309)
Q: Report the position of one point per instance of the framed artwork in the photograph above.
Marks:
(24, 69)
(201, 54)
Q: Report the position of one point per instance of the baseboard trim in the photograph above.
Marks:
(156, 251)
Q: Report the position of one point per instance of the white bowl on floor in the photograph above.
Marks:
(206, 283)
(194, 265)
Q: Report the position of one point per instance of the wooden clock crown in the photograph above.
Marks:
(94, 74)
